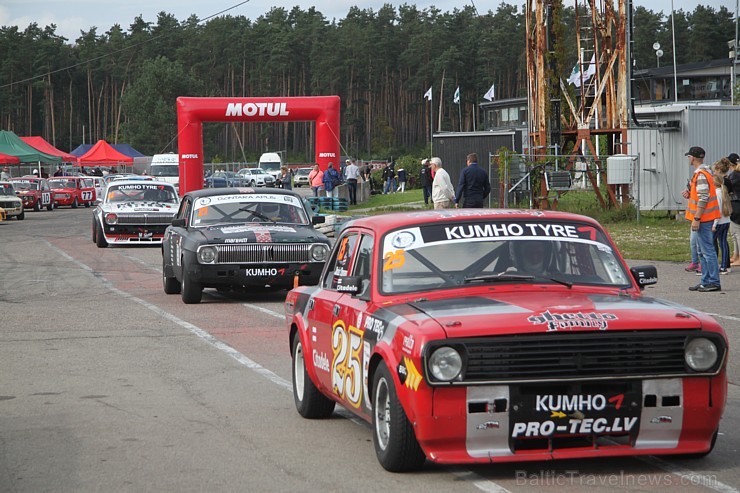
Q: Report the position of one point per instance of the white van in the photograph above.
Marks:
(271, 162)
(166, 167)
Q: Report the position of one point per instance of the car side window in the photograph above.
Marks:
(341, 262)
(184, 212)
(363, 263)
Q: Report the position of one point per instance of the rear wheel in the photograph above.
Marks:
(192, 292)
(309, 401)
(99, 236)
(393, 436)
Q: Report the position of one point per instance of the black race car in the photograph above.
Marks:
(238, 238)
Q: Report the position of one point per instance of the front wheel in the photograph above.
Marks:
(100, 240)
(252, 183)
(21, 216)
(37, 206)
(191, 292)
(50, 207)
(75, 204)
(309, 401)
(170, 284)
(393, 436)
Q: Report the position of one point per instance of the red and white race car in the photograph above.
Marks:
(35, 192)
(483, 335)
(73, 190)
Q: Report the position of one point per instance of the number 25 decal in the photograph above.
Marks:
(346, 369)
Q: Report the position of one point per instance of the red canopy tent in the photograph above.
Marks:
(8, 159)
(103, 154)
(39, 143)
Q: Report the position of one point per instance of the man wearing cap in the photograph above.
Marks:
(702, 210)
(352, 173)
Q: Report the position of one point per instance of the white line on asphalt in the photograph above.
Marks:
(485, 485)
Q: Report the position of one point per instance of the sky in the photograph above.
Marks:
(72, 16)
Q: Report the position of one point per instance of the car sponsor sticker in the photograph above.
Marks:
(572, 320)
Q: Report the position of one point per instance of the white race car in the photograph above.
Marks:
(134, 212)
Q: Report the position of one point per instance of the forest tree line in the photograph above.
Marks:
(121, 85)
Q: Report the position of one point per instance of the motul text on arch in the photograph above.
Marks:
(257, 109)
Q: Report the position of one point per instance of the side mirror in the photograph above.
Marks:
(318, 219)
(349, 284)
(645, 275)
(178, 222)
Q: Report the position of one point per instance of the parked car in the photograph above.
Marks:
(73, 190)
(221, 179)
(500, 336)
(257, 177)
(134, 212)
(241, 238)
(34, 192)
(301, 177)
(11, 204)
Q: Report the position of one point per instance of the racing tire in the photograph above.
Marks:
(37, 206)
(50, 207)
(170, 284)
(100, 240)
(395, 444)
(309, 401)
(87, 204)
(191, 292)
(21, 216)
(75, 204)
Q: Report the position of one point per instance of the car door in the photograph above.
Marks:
(173, 237)
(330, 337)
(87, 190)
(350, 330)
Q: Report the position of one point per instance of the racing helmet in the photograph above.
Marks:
(152, 195)
(533, 256)
(270, 209)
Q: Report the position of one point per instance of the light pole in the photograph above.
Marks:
(658, 52)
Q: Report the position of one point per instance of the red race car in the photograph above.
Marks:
(35, 192)
(484, 335)
(73, 190)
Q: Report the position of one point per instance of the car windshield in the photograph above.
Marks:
(449, 255)
(303, 172)
(141, 192)
(25, 185)
(248, 208)
(62, 183)
(7, 189)
(168, 170)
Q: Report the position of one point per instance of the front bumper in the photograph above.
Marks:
(482, 424)
(277, 275)
(12, 209)
(131, 234)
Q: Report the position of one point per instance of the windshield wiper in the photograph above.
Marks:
(507, 276)
(258, 214)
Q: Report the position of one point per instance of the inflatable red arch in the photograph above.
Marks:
(192, 112)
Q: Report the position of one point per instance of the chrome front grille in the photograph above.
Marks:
(258, 253)
(145, 219)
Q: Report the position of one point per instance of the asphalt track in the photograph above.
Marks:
(108, 384)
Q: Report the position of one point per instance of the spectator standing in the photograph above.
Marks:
(473, 186)
(316, 179)
(332, 180)
(286, 178)
(352, 172)
(425, 179)
(443, 193)
(5, 174)
(401, 180)
(722, 224)
(389, 178)
(59, 171)
(734, 178)
(702, 209)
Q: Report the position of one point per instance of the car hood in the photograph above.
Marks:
(140, 206)
(262, 233)
(527, 312)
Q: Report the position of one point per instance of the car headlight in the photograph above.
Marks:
(701, 354)
(445, 364)
(111, 218)
(207, 255)
(319, 252)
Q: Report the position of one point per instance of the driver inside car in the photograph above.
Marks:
(533, 256)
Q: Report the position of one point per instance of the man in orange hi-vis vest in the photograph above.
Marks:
(702, 210)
